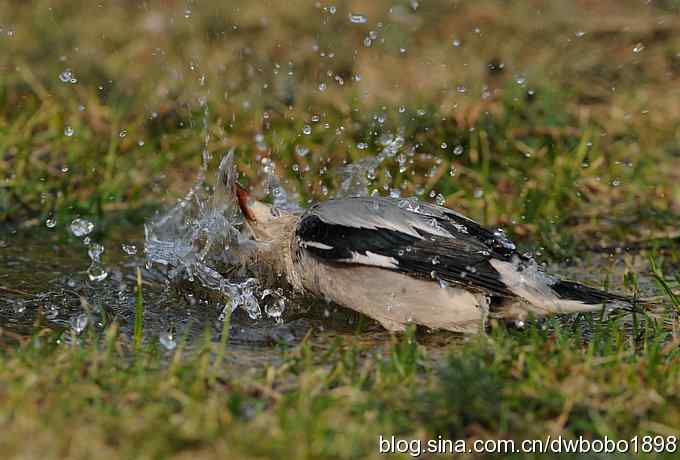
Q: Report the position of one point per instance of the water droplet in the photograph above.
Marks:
(66, 76)
(456, 43)
(458, 150)
(79, 323)
(167, 341)
(69, 131)
(97, 273)
(51, 311)
(81, 227)
(276, 309)
(129, 249)
(521, 80)
(20, 308)
(358, 18)
(301, 150)
(478, 193)
(440, 200)
(122, 133)
(307, 130)
(436, 260)
(322, 87)
(638, 48)
(95, 251)
(50, 222)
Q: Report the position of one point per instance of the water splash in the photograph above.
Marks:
(356, 177)
(81, 227)
(204, 220)
(282, 198)
(96, 270)
(201, 234)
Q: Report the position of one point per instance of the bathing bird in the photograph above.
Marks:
(402, 261)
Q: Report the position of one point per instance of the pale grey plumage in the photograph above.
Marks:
(401, 261)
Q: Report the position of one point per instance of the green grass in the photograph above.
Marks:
(574, 146)
(332, 398)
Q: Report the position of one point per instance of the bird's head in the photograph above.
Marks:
(266, 222)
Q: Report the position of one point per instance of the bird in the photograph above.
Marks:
(402, 261)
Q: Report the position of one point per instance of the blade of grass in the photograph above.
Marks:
(224, 338)
(661, 280)
(139, 311)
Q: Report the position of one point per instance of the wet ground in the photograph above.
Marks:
(44, 283)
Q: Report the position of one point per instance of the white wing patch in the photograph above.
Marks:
(315, 244)
(371, 258)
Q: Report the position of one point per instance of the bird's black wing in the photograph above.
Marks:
(407, 236)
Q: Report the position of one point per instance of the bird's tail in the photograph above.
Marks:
(571, 297)
(544, 294)
(571, 291)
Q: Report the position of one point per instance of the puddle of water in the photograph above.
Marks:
(66, 280)
(45, 282)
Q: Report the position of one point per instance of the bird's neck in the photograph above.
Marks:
(272, 257)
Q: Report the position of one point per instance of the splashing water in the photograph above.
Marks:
(356, 177)
(96, 270)
(201, 232)
(282, 198)
(201, 235)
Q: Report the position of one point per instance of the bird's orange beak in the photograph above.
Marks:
(243, 196)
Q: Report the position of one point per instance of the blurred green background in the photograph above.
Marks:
(558, 120)
(531, 113)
